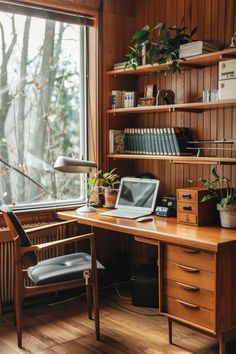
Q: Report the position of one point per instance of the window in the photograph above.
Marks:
(43, 108)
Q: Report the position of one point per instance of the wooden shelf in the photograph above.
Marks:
(194, 62)
(178, 159)
(195, 107)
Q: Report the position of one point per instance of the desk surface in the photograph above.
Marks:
(211, 238)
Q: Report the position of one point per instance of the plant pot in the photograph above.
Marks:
(110, 195)
(97, 197)
(227, 215)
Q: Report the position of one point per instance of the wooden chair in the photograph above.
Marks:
(58, 273)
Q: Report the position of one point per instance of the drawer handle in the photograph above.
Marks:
(188, 250)
(188, 305)
(187, 208)
(187, 287)
(187, 269)
(187, 196)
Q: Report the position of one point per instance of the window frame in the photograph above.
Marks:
(84, 109)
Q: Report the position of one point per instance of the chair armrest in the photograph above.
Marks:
(45, 227)
(47, 245)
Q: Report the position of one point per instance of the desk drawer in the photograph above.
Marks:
(187, 218)
(190, 312)
(189, 293)
(187, 208)
(189, 196)
(191, 257)
(190, 275)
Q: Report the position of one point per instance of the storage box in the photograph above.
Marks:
(190, 209)
(145, 286)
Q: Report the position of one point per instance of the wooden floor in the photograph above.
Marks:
(65, 329)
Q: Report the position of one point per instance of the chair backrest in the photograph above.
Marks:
(16, 229)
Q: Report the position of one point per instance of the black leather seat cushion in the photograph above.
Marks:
(63, 268)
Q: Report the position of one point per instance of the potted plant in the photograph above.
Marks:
(158, 45)
(221, 189)
(103, 188)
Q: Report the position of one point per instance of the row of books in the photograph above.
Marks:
(150, 141)
(122, 99)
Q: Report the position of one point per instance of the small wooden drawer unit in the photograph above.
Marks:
(190, 209)
(189, 285)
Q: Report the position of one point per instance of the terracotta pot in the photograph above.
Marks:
(227, 215)
(110, 195)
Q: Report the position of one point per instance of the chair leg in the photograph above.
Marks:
(89, 300)
(18, 316)
(170, 330)
(221, 343)
(96, 311)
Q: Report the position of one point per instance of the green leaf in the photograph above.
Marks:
(206, 198)
(160, 26)
(142, 35)
(214, 173)
(193, 31)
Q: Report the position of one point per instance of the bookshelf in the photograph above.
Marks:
(193, 107)
(198, 62)
(177, 159)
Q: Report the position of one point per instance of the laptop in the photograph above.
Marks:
(136, 197)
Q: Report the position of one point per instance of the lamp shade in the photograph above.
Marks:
(70, 165)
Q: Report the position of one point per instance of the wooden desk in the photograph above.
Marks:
(197, 270)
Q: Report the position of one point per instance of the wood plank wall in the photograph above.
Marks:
(216, 21)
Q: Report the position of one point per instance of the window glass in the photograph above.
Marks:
(42, 108)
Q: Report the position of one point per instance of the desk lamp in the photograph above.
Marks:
(71, 165)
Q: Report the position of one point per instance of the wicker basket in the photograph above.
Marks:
(227, 215)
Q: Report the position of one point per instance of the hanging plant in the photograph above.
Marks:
(159, 46)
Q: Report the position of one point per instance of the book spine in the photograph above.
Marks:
(172, 147)
(176, 145)
(145, 141)
(127, 140)
(161, 149)
(118, 142)
(115, 99)
(152, 142)
(163, 142)
(111, 142)
(157, 148)
(149, 141)
(142, 141)
(167, 141)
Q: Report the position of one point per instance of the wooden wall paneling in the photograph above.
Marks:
(117, 29)
(229, 21)
(221, 21)
(216, 22)
(187, 90)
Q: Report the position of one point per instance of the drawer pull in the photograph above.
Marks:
(187, 269)
(187, 287)
(190, 250)
(187, 196)
(188, 305)
(187, 208)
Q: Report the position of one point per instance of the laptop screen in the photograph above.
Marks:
(137, 193)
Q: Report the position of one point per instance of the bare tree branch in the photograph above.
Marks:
(23, 174)
(13, 41)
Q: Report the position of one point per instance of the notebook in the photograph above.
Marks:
(136, 197)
